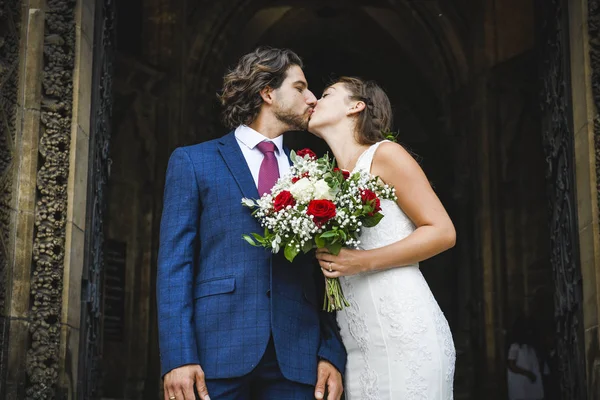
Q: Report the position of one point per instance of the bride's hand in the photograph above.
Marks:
(347, 262)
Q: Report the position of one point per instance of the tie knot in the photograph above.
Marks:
(266, 147)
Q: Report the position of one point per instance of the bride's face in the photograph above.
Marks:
(331, 108)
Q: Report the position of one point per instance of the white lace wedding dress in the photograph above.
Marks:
(398, 341)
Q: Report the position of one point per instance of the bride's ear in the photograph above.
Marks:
(356, 108)
(267, 94)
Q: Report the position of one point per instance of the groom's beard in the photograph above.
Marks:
(294, 122)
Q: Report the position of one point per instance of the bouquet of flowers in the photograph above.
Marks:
(318, 205)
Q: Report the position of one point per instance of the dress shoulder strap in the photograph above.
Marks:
(366, 159)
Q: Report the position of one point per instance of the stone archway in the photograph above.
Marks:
(424, 92)
(458, 107)
(215, 46)
(461, 73)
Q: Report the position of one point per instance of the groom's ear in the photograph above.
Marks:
(267, 94)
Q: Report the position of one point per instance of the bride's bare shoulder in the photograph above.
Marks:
(393, 153)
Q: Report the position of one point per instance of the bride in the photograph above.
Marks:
(398, 341)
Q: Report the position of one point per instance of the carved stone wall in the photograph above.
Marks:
(594, 32)
(9, 61)
(90, 357)
(50, 217)
(589, 165)
(558, 143)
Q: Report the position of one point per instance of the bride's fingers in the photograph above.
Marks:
(328, 265)
(333, 274)
(326, 257)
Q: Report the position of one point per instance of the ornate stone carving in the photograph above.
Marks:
(9, 61)
(48, 251)
(594, 33)
(560, 168)
(91, 323)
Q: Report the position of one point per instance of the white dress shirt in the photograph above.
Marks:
(248, 138)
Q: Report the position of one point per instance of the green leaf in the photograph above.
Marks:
(334, 248)
(370, 222)
(390, 135)
(307, 247)
(290, 252)
(263, 241)
(249, 240)
(328, 234)
(319, 242)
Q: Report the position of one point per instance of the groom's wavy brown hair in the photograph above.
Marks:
(240, 96)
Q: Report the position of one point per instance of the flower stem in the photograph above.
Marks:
(334, 296)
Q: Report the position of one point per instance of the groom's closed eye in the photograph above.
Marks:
(300, 85)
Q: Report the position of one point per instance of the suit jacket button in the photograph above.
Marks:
(269, 293)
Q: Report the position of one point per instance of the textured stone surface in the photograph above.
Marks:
(9, 61)
(592, 340)
(9, 53)
(594, 33)
(50, 215)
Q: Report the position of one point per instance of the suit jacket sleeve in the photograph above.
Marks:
(331, 347)
(178, 243)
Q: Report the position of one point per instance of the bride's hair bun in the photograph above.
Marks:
(376, 118)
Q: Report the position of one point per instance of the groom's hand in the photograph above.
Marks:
(328, 377)
(179, 383)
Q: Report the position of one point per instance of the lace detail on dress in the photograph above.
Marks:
(449, 350)
(360, 332)
(443, 330)
(399, 343)
(409, 348)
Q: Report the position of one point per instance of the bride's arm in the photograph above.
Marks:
(434, 231)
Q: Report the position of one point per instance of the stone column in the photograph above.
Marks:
(9, 72)
(48, 202)
(77, 189)
(584, 25)
(24, 176)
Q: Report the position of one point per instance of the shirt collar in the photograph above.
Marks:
(250, 138)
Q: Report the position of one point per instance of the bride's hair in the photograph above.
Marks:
(376, 119)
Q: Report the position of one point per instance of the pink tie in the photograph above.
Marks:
(269, 169)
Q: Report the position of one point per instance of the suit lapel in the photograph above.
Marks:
(237, 165)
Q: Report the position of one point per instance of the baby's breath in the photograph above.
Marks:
(294, 230)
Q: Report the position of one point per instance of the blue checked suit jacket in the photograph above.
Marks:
(219, 298)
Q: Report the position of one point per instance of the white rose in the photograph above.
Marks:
(303, 190)
(323, 191)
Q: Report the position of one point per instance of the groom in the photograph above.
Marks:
(235, 321)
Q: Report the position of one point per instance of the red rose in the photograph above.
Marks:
(296, 178)
(369, 197)
(321, 210)
(307, 152)
(345, 173)
(282, 200)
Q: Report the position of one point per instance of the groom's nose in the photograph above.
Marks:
(311, 100)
